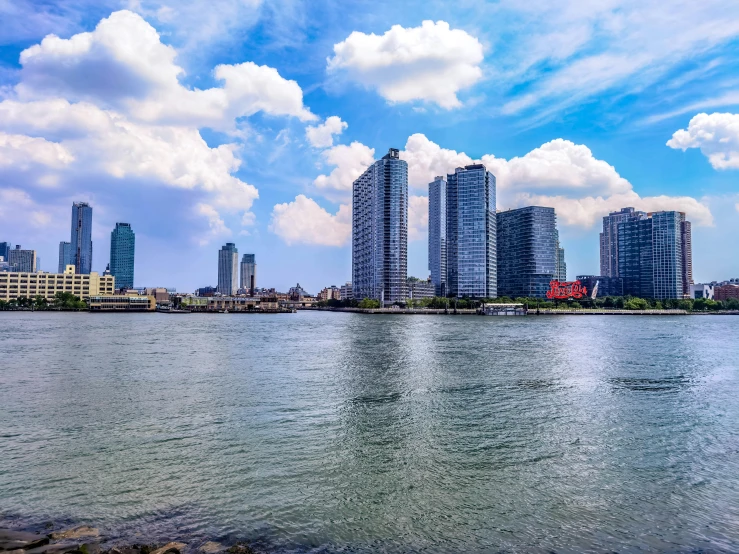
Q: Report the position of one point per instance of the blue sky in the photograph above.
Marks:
(247, 123)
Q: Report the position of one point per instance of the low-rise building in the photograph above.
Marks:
(122, 303)
(346, 291)
(14, 285)
(330, 293)
(606, 286)
(230, 304)
(702, 290)
(420, 289)
(725, 292)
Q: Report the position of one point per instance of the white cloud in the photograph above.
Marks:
(418, 217)
(21, 151)
(568, 51)
(216, 225)
(123, 65)
(431, 62)
(737, 206)
(105, 141)
(303, 221)
(322, 136)
(717, 136)
(350, 161)
(559, 173)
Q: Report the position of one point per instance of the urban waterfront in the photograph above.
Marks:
(327, 432)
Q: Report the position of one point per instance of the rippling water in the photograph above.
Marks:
(341, 432)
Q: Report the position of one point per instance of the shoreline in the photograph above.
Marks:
(85, 539)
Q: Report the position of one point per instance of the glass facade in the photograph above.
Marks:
(81, 239)
(471, 233)
(122, 251)
(609, 260)
(437, 235)
(527, 251)
(228, 269)
(248, 272)
(653, 256)
(5, 250)
(65, 256)
(380, 231)
(560, 271)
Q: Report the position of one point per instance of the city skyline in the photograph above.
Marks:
(252, 128)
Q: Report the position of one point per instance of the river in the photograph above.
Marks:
(341, 432)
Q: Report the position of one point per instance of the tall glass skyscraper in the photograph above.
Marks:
(471, 233)
(438, 235)
(527, 251)
(609, 261)
(82, 237)
(248, 272)
(65, 256)
(560, 271)
(653, 256)
(380, 231)
(228, 269)
(122, 250)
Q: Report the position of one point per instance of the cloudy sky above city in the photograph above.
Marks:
(246, 121)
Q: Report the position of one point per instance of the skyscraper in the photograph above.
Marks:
(248, 272)
(82, 237)
(65, 256)
(122, 250)
(686, 240)
(527, 251)
(22, 261)
(380, 231)
(5, 250)
(228, 269)
(471, 233)
(609, 239)
(437, 235)
(653, 255)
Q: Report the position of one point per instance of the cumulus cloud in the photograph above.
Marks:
(350, 161)
(432, 62)
(559, 173)
(104, 141)
(123, 65)
(418, 217)
(717, 136)
(21, 151)
(322, 136)
(303, 221)
(109, 103)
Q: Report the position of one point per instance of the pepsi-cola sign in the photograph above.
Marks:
(562, 290)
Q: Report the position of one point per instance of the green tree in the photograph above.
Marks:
(369, 304)
(40, 303)
(636, 304)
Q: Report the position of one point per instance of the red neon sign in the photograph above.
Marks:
(563, 290)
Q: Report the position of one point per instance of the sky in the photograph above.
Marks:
(248, 122)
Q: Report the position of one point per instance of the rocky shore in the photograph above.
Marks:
(89, 540)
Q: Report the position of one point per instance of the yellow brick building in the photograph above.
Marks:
(31, 285)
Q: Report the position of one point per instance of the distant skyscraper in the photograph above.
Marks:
(5, 250)
(122, 250)
(380, 231)
(471, 233)
(437, 235)
(65, 256)
(248, 272)
(609, 239)
(652, 254)
(527, 251)
(22, 260)
(686, 240)
(228, 269)
(81, 239)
